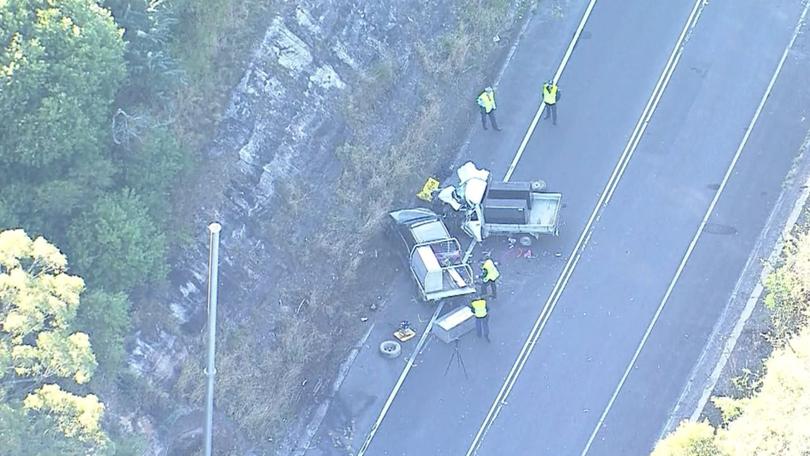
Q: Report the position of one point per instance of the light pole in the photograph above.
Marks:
(213, 273)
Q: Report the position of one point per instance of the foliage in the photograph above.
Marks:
(38, 303)
(60, 67)
(117, 244)
(212, 44)
(772, 422)
(150, 168)
(690, 439)
(18, 428)
(244, 373)
(77, 417)
(787, 290)
(105, 318)
(729, 407)
(38, 344)
(153, 72)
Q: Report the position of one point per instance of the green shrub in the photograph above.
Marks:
(105, 318)
(116, 243)
(151, 168)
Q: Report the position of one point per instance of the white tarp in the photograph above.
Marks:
(473, 183)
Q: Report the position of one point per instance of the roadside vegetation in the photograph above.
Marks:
(770, 415)
(46, 361)
(102, 104)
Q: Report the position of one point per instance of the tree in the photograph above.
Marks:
(24, 434)
(151, 166)
(772, 422)
(689, 439)
(60, 66)
(38, 346)
(38, 303)
(76, 416)
(117, 244)
(60, 69)
(105, 318)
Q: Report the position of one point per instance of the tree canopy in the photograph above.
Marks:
(117, 244)
(61, 64)
(39, 346)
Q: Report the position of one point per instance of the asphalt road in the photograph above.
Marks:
(638, 245)
(638, 241)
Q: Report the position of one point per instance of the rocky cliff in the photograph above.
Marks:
(337, 93)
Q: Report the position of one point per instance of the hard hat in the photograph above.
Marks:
(488, 89)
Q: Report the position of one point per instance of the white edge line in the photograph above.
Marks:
(694, 241)
(753, 259)
(663, 82)
(572, 262)
(731, 342)
(302, 444)
(560, 69)
(400, 381)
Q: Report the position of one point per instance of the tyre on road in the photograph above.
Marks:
(390, 349)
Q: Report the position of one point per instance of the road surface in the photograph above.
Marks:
(686, 207)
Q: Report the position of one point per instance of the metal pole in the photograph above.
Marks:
(213, 273)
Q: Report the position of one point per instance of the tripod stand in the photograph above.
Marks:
(459, 360)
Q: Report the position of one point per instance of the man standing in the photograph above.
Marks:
(551, 93)
(489, 274)
(486, 102)
(479, 308)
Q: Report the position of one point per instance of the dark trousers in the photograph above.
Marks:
(492, 120)
(482, 327)
(493, 289)
(551, 110)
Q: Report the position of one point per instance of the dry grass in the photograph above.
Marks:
(211, 47)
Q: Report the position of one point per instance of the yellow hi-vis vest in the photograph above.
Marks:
(487, 101)
(479, 308)
(549, 94)
(491, 273)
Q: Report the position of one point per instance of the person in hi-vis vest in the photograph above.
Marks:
(551, 94)
(486, 103)
(479, 308)
(489, 274)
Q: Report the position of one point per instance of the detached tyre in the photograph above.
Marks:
(390, 349)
